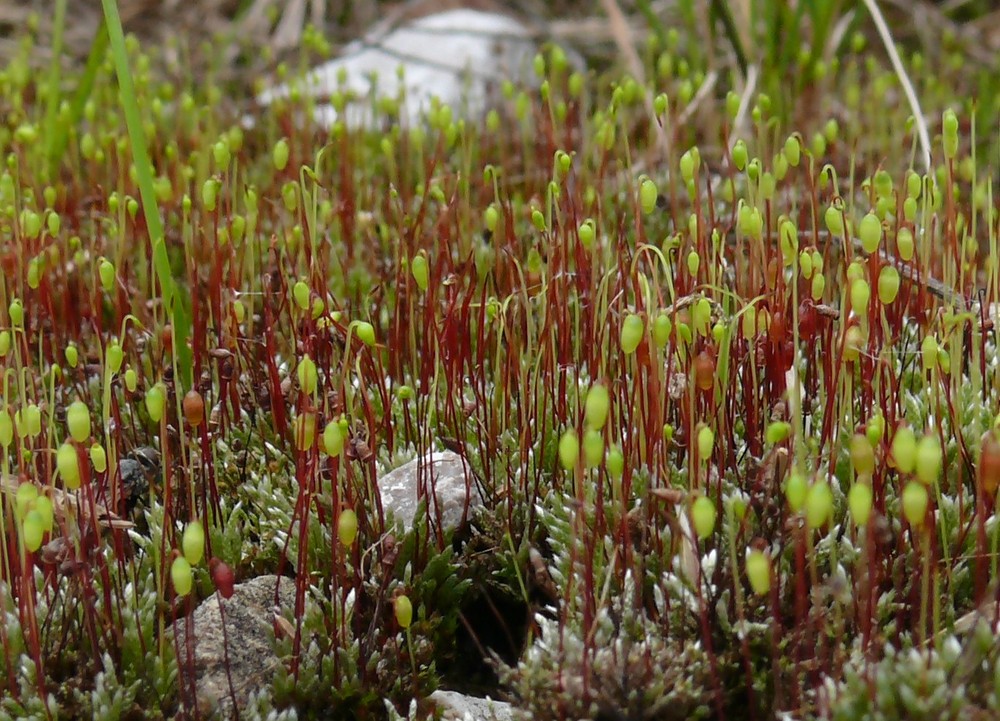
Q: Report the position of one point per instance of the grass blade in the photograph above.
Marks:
(53, 91)
(176, 311)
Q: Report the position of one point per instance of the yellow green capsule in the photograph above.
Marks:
(25, 498)
(888, 284)
(662, 328)
(862, 455)
(854, 342)
(740, 155)
(693, 262)
(181, 576)
(403, 611)
(882, 182)
(701, 316)
(569, 450)
(855, 271)
(819, 504)
(113, 357)
(944, 360)
(706, 440)
(929, 352)
(859, 501)
(32, 420)
(32, 531)
(98, 458)
(904, 449)
(209, 194)
(305, 431)
(68, 465)
(347, 527)
(793, 150)
(193, 542)
(15, 311)
(870, 232)
(703, 516)
(904, 243)
(597, 406)
(239, 311)
(647, 196)
(796, 490)
(593, 448)
(156, 399)
(78, 421)
(789, 241)
(758, 569)
(280, 155)
(615, 462)
(34, 273)
(46, 512)
(777, 431)
(107, 272)
(6, 429)
(661, 104)
(806, 264)
(817, 287)
(307, 375)
(300, 292)
(875, 429)
(420, 271)
(834, 219)
(538, 220)
(366, 332)
(333, 439)
(928, 459)
(860, 295)
(949, 133)
(690, 162)
(914, 501)
(631, 333)
(587, 233)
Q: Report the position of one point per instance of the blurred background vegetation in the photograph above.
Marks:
(194, 30)
(791, 51)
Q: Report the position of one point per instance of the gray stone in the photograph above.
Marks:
(459, 56)
(455, 706)
(249, 617)
(444, 472)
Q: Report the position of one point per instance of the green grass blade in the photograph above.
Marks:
(53, 91)
(645, 8)
(179, 317)
(59, 137)
(723, 12)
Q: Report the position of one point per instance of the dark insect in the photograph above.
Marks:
(138, 469)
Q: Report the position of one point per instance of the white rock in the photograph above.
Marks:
(243, 645)
(443, 475)
(459, 707)
(460, 56)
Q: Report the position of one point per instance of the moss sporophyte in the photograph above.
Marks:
(659, 378)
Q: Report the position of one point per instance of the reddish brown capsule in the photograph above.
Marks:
(167, 337)
(222, 576)
(988, 471)
(704, 371)
(773, 272)
(787, 354)
(776, 331)
(194, 408)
